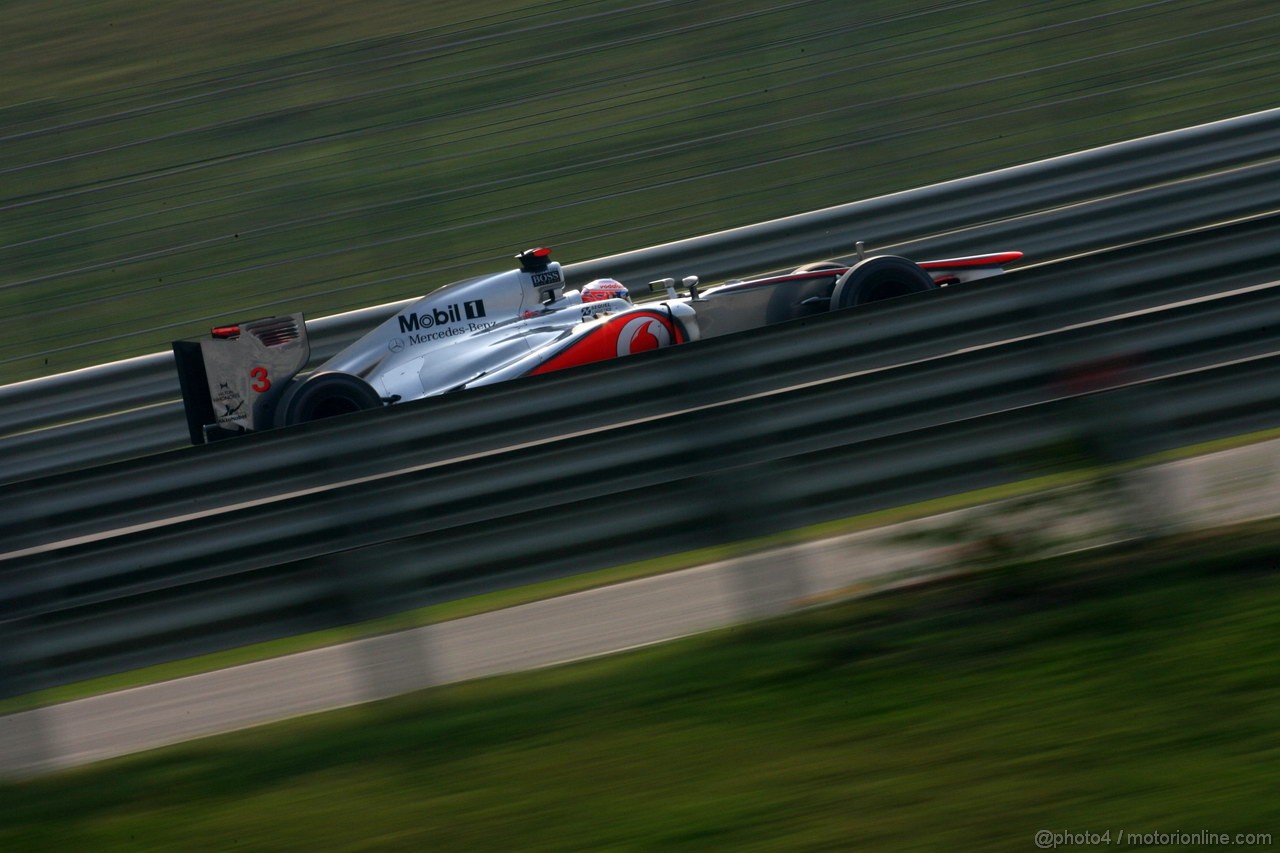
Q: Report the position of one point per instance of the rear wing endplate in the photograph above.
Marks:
(232, 380)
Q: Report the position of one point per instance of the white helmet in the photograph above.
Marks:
(605, 288)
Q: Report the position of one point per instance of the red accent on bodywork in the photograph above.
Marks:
(644, 339)
(995, 260)
(601, 342)
(225, 332)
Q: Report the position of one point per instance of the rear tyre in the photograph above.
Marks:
(877, 279)
(327, 395)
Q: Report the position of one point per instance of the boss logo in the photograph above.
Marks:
(549, 277)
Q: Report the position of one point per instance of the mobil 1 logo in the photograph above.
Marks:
(442, 316)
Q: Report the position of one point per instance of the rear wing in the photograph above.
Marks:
(232, 381)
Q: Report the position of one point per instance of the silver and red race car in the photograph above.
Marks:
(522, 322)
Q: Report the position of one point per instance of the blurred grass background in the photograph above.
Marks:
(168, 165)
(1128, 690)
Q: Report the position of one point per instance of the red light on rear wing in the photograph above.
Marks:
(271, 331)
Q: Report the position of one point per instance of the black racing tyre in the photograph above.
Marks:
(876, 279)
(326, 395)
(819, 266)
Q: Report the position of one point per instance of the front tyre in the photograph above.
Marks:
(326, 395)
(877, 279)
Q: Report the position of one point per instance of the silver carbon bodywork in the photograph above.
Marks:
(516, 323)
(480, 331)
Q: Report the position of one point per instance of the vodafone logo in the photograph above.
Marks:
(619, 335)
(641, 334)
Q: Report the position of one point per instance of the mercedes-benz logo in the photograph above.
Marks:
(396, 345)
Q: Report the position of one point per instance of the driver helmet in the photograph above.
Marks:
(605, 288)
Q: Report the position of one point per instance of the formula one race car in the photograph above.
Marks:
(517, 323)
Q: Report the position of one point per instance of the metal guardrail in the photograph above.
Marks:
(1127, 183)
(78, 625)
(81, 444)
(1033, 302)
(186, 552)
(642, 443)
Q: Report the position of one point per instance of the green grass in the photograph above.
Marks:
(1133, 689)
(170, 165)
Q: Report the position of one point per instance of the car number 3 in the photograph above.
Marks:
(261, 382)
